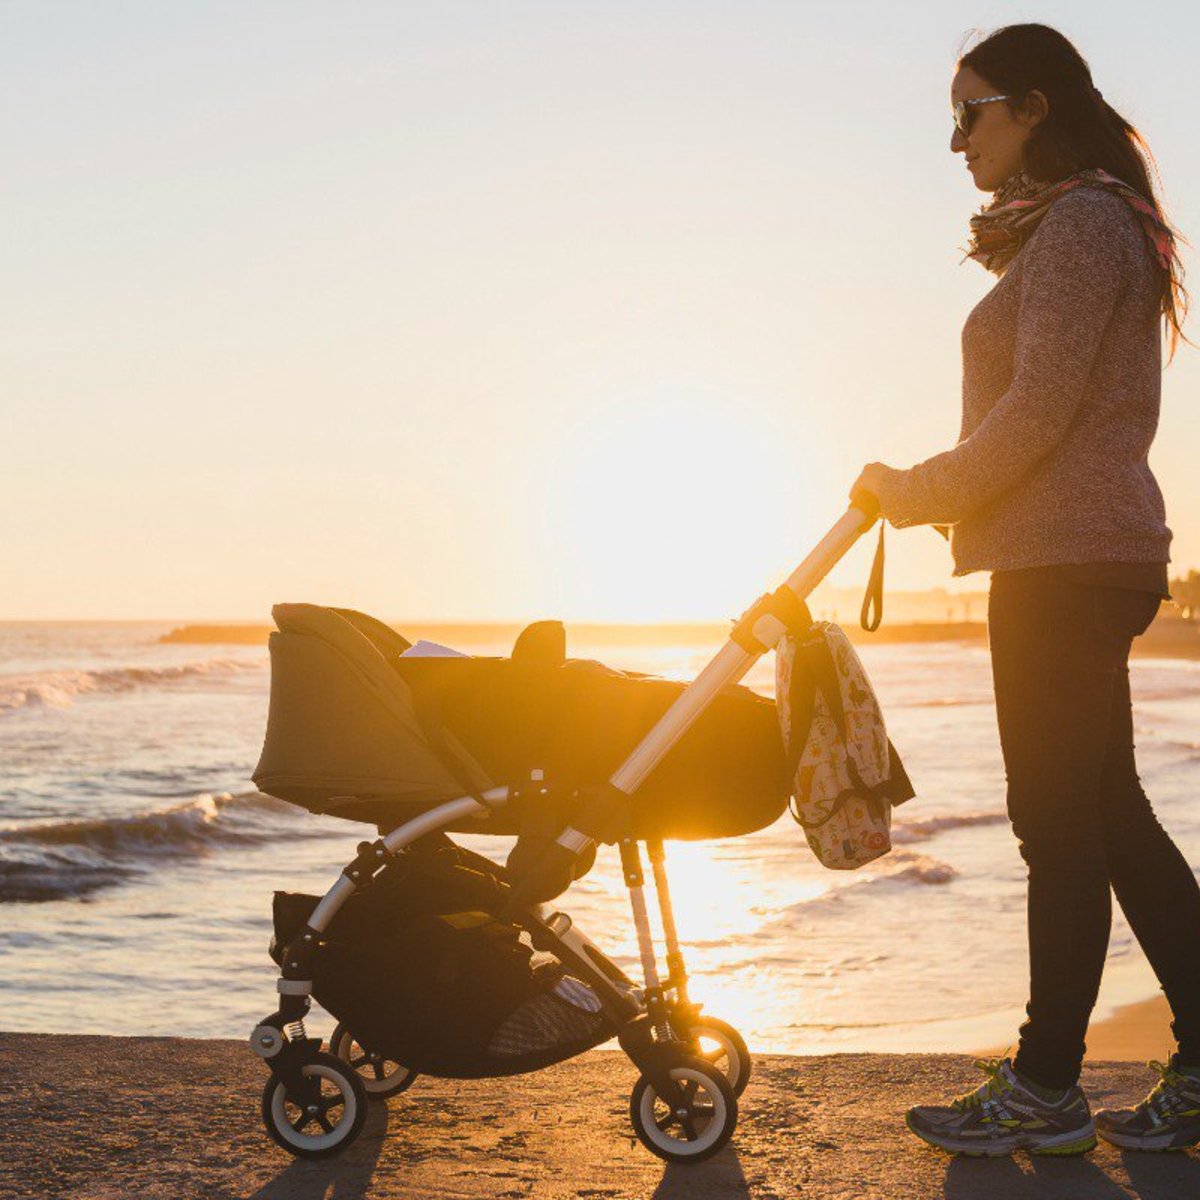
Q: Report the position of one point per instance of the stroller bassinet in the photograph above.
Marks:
(358, 731)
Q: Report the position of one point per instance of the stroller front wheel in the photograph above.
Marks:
(381, 1077)
(719, 1043)
(699, 1126)
(324, 1123)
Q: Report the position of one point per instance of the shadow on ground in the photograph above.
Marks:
(346, 1176)
(1151, 1177)
(721, 1175)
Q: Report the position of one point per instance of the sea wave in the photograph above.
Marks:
(58, 689)
(906, 832)
(69, 859)
(900, 866)
(909, 867)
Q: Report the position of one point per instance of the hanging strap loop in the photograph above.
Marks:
(872, 605)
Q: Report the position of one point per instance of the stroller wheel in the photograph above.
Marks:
(700, 1127)
(381, 1077)
(720, 1044)
(325, 1127)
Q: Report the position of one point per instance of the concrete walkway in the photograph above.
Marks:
(98, 1118)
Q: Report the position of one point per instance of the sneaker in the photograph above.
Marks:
(1168, 1118)
(1003, 1115)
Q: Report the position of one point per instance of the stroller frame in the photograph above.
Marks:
(656, 1031)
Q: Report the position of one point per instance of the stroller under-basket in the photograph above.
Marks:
(434, 959)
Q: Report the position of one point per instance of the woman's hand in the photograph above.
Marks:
(879, 481)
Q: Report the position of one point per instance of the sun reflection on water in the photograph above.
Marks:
(721, 902)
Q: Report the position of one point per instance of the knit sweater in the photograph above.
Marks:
(1061, 390)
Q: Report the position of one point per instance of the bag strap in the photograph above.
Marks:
(836, 807)
(802, 700)
(813, 672)
(827, 681)
(874, 595)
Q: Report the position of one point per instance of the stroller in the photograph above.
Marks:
(436, 960)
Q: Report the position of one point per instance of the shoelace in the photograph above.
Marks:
(1163, 1098)
(994, 1085)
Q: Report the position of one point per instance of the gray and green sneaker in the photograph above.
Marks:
(1168, 1118)
(1003, 1115)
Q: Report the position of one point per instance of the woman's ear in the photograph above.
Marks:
(1034, 110)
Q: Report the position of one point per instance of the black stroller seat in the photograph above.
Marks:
(358, 730)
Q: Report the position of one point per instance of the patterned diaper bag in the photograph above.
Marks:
(846, 773)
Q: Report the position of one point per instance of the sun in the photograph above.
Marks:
(668, 507)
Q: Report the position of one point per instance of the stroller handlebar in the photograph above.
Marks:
(736, 657)
(866, 502)
(825, 555)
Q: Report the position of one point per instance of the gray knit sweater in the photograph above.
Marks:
(1061, 388)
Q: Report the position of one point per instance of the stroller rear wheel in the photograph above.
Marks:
(381, 1077)
(720, 1044)
(324, 1124)
(699, 1127)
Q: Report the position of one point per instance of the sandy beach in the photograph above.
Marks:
(100, 1118)
(1133, 1033)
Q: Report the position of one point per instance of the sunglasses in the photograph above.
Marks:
(964, 112)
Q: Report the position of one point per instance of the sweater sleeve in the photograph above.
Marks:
(1073, 269)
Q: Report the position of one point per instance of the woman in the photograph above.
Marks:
(1049, 489)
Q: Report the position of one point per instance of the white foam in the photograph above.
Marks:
(58, 689)
(65, 859)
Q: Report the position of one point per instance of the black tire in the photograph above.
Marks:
(710, 1120)
(722, 1045)
(339, 1121)
(381, 1077)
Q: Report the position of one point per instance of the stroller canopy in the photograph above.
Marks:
(358, 730)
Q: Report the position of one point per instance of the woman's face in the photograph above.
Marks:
(994, 150)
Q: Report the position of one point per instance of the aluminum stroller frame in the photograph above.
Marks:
(683, 1106)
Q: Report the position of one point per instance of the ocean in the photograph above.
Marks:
(137, 862)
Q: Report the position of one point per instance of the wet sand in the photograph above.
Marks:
(1133, 1033)
(99, 1118)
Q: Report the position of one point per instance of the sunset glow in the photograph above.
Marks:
(664, 504)
(416, 314)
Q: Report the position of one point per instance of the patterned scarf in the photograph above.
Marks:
(1002, 227)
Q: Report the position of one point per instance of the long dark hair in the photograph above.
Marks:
(1081, 131)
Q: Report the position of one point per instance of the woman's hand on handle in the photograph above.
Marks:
(870, 490)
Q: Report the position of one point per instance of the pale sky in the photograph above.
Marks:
(498, 310)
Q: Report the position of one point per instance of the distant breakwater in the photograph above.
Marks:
(617, 635)
(1170, 636)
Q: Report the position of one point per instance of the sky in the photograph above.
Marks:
(498, 310)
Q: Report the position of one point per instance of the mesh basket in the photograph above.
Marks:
(418, 966)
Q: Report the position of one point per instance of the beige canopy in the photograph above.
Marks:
(343, 734)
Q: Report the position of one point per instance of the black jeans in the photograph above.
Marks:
(1060, 653)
